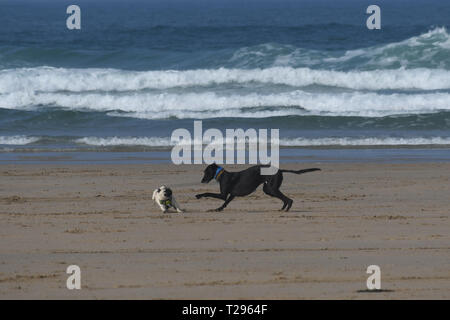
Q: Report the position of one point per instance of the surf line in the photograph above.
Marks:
(214, 142)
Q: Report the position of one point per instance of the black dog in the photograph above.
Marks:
(244, 182)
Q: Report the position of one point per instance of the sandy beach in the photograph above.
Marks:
(344, 218)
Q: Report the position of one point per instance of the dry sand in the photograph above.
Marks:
(344, 218)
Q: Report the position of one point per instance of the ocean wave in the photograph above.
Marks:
(17, 140)
(350, 141)
(48, 79)
(287, 142)
(125, 141)
(429, 50)
(166, 142)
(212, 105)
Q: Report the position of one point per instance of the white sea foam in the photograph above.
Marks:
(287, 142)
(125, 141)
(349, 141)
(48, 79)
(207, 105)
(17, 140)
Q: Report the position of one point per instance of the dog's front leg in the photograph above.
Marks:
(231, 197)
(212, 195)
(163, 207)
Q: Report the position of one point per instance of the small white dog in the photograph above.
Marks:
(164, 198)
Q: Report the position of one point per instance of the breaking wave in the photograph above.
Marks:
(284, 142)
(211, 105)
(49, 79)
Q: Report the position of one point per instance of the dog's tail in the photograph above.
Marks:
(301, 171)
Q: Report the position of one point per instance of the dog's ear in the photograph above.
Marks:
(155, 193)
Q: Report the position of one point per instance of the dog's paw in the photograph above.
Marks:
(198, 196)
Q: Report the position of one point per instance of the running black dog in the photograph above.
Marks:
(242, 183)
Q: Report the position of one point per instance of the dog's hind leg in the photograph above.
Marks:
(290, 202)
(287, 202)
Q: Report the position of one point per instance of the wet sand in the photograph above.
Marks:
(344, 218)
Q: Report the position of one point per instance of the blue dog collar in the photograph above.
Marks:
(219, 169)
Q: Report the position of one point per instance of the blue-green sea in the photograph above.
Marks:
(137, 70)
